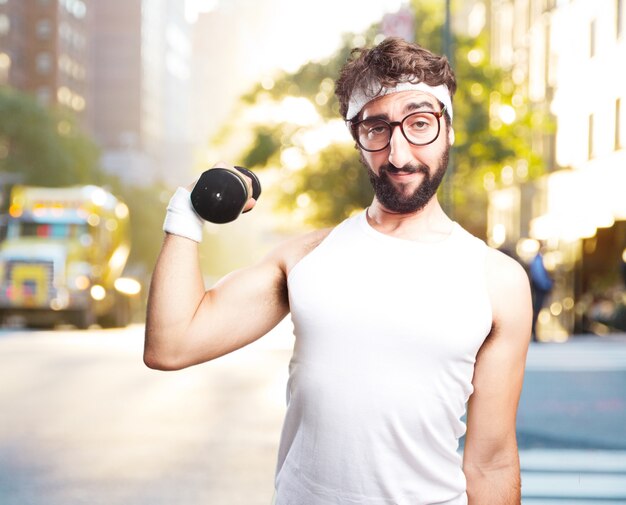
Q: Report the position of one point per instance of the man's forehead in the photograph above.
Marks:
(364, 94)
(406, 100)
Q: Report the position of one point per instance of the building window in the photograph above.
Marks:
(44, 95)
(592, 39)
(618, 124)
(5, 67)
(77, 8)
(43, 63)
(590, 138)
(44, 29)
(5, 24)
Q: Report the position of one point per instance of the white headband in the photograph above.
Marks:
(360, 97)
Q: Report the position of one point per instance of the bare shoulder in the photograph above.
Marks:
(505, 273)
(509, 290)
(291, 252)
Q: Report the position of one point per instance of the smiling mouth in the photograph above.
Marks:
(402, 174)
(408, 170)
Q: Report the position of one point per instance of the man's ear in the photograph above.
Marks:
(451, 136)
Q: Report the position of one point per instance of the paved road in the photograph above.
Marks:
(574, 396)
(83, 422)
(572, 423)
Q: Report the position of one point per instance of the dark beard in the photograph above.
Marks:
(393, 199)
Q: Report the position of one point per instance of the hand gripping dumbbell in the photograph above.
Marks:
(220, 194)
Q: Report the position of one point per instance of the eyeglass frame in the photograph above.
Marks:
(392, 125)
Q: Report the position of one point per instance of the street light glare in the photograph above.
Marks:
(507, 114)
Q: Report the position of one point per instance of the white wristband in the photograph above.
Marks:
(181, 219)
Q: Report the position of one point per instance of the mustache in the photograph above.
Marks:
(409, 168)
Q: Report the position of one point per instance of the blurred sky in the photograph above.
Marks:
(298, 31)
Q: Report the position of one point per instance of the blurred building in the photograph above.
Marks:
(566, 57)
(45, 50)
(141, 82)
(219, 70)
(123, 66)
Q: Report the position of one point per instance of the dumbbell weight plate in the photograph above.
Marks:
(256, 184)
(220, 195)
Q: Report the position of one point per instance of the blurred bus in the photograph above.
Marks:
(63, 256)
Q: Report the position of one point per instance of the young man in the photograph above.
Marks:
(401, 317)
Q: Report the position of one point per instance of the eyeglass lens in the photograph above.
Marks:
(419, 128)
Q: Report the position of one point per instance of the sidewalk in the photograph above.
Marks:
(580, 352)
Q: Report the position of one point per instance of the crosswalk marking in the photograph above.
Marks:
(570, 501)
(559, 477)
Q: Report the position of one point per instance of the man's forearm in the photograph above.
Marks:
(176, 291)
(494, 486)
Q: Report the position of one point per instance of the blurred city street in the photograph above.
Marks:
(109, 106)
(85, 422)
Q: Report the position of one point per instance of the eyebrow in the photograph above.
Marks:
(410, 107)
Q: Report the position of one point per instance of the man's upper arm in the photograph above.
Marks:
(499, 369)
(240, 308)
(247, 303)
(187, 325)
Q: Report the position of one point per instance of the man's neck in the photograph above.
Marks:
(430, 224)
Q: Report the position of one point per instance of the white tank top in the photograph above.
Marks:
(387, 332)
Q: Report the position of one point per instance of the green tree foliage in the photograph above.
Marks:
(488, 146)
(333, 186)
(45, 147)
(266, 144)
(332, 183)
(315, 80)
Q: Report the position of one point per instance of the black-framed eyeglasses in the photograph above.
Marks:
(419, 128)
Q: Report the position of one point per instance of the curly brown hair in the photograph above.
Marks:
(389, 63)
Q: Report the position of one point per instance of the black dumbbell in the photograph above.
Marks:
(220, 194)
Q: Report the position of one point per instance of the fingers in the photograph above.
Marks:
(249, 205)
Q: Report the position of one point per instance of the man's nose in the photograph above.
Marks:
(399, 148)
